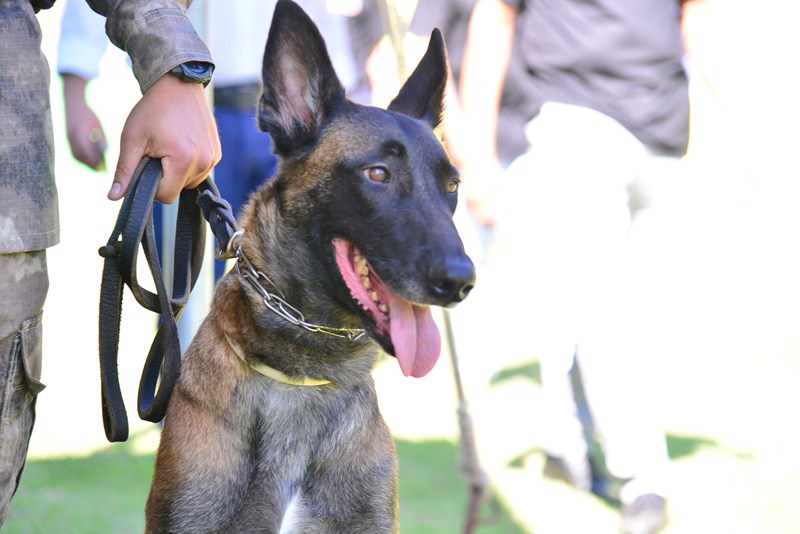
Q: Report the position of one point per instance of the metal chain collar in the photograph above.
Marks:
(283, 309)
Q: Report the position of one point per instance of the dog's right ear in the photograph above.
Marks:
(300, 86)
(422, 96)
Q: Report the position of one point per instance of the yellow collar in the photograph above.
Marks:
(273, 373)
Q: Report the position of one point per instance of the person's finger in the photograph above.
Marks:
(99, 155)
(86, 138)
(129, 157)
(176, 168)
(78, 149)
(91, 149)
(187, 168)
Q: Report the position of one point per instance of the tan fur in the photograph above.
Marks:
(239, 451)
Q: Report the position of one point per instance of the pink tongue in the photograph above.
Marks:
(415, 337)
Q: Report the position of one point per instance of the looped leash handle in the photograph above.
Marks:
(134, 226)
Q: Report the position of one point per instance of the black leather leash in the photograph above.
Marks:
(134, 226)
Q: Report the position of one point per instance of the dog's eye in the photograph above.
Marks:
(452, 185)
(377, 174)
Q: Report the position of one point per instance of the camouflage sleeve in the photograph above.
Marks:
(156, 34)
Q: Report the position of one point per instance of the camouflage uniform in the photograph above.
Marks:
(158, 36)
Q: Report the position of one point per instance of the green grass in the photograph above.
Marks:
(433, 494)
(105, 493)
(102, 493)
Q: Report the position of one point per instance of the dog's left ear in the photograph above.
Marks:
(300, 86)
(422, 95)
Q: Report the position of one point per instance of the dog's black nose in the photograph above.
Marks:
(451, 279)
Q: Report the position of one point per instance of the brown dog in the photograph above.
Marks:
(274, 424)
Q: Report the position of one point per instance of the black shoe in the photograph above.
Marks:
(647, 514)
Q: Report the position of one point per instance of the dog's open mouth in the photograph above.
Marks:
(403, 329)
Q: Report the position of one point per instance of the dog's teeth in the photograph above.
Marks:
(366, 282)
(373, 295)
(361, 266)
(382, 307)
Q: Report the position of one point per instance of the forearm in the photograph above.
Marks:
(486, 57)
(74, 89)
(156, 34)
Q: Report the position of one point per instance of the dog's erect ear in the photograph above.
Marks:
(422, 94)
(300, 86)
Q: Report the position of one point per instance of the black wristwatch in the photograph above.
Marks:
(42, 4)
(194, 72)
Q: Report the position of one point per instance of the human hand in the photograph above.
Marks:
(172, 122)
(87, 141)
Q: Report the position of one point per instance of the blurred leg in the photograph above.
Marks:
(23, 288)
(585, 162)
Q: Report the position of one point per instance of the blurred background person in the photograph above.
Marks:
(237, 34)
(574, 420)
(605, 110)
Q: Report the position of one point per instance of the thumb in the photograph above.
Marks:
(129, 159)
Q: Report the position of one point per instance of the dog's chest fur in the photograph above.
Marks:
(284, 450)
(308, 440)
